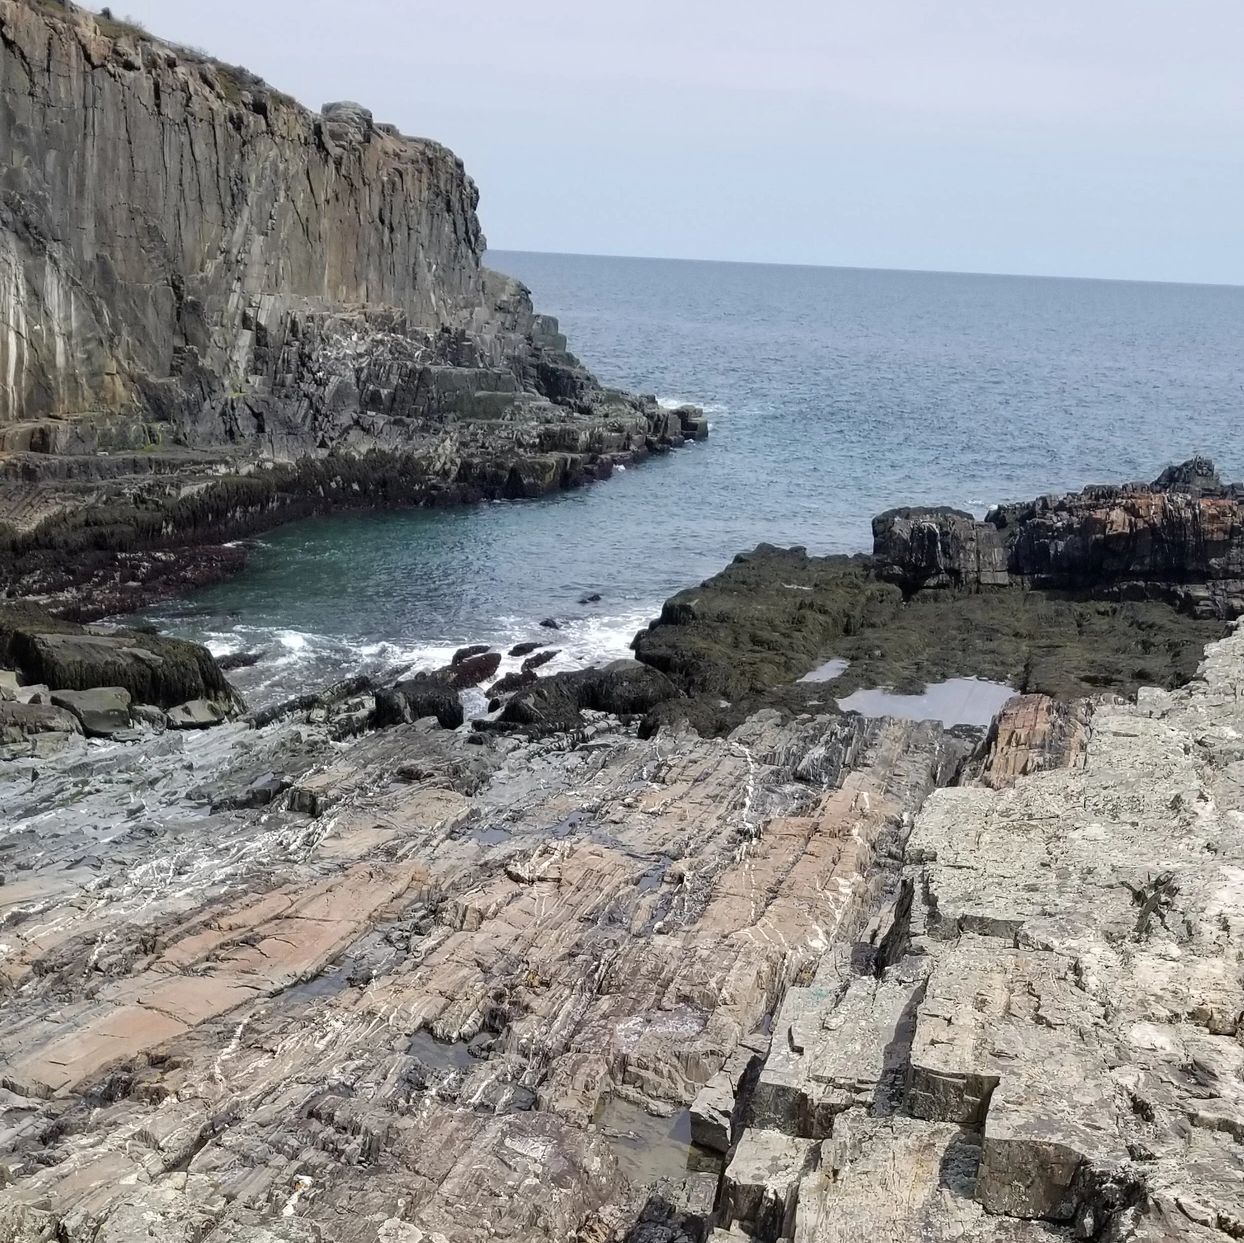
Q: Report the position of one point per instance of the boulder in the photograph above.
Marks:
(464, 653)
(551, 623)
(554, 704)
(103, 710)
(198, 714)
(19, 722)
(414, 699)
(526, 648)
(8, 684)
(150, 716)
(938, 547)
(153, 669)
(238, 660)
(540, 658)
(472, 670)
(346, 123)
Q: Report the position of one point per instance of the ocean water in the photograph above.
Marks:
(833, 394)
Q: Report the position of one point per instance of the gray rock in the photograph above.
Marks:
(760, 1188)
(416, 698)
(149, 716)
(921, 548)
(104, 710)
(18, 721)
(197, 714)
(349, 315)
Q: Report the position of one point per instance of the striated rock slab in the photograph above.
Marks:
(443, 996)
(1040, 1036)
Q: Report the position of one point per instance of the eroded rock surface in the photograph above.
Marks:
(1050, 1045)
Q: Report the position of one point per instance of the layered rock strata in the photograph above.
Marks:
(219, 310)
(417, 985)
(1179, 538)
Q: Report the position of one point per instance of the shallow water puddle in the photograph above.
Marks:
(491, 835)
(827, 672)
(446, 1055)
(957, 701)
(649, 1148)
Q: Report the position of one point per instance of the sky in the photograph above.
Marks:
(1055, 137)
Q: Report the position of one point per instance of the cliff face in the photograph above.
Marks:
(197, 275)
(151, 200)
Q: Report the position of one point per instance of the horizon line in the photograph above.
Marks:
(856, 267)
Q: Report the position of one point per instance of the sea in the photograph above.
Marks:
(833, 394)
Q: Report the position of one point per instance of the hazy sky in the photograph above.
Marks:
(1078, 137)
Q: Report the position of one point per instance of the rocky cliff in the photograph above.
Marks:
(198, 276)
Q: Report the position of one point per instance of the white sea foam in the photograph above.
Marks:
(292, 661)
(673, 403)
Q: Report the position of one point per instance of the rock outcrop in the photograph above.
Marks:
(1049, 1048)
(805, 975)
(199, 277)
(1179, 538)
(410, 986)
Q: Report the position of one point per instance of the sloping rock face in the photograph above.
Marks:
(197, 275)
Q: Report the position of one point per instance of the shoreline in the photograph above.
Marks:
(588, 934)
(190, 543)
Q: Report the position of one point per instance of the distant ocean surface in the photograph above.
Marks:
(833, 394)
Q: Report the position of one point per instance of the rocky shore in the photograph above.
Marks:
(669, 950)
(270, 313)
(893, 896)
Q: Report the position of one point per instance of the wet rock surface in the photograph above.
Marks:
(390, 1006)
(1148, 578)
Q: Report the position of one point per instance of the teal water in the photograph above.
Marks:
(833, 394)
